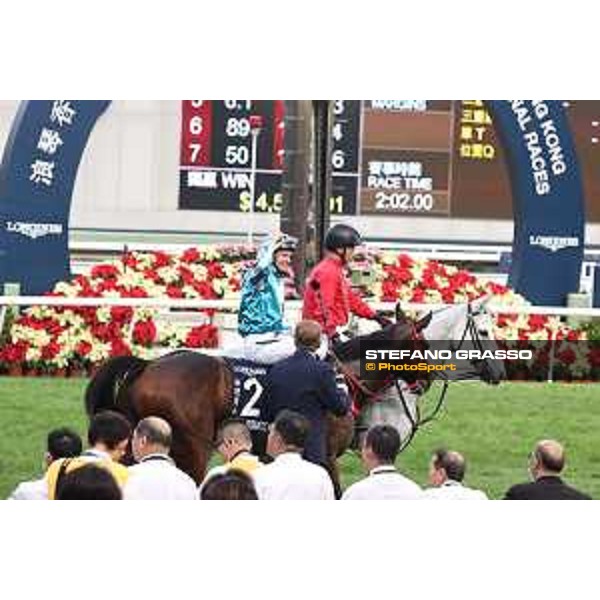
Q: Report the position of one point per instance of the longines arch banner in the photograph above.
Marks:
(549, 211)
(37, 176)
(48, 138)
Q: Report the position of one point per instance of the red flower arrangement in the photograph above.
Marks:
(54, 338)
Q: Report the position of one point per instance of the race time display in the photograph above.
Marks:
(427, 158)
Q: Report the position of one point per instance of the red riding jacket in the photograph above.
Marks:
(332, 304)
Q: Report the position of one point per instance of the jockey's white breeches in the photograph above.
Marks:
(268, 348)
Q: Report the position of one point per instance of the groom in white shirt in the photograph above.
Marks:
(61, 443)
(446, 473)
(289, 476)
(156, 477)
(379, 453)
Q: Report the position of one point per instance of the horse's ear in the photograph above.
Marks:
(479, 304)
(423, 322)
(399, 313)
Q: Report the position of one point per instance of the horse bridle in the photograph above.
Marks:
(372, 396)
(418, 421)
(369, 394)
(470, 328)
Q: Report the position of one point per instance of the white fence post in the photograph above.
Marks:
(551, 359)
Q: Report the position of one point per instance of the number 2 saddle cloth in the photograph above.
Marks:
(250, 399)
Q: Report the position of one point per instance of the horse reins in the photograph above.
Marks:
(371, 395)
(469, 328)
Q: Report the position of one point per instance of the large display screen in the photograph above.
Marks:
(217, 155)
(429, 158)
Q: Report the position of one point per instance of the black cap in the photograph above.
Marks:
(342, 236)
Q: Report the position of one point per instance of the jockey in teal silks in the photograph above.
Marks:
(266, 336)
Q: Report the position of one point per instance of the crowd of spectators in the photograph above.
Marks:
(98, 474)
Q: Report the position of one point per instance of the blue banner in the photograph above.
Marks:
(37, 177)
(548, 200)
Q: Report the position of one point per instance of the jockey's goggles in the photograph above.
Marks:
(285, 242)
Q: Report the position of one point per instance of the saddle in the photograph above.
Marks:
(250, 398)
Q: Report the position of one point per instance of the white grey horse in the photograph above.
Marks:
(452, 328)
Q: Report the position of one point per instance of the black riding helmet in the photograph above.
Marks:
(342, 236)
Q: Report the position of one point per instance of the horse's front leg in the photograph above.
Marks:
(191, 455)
(340, 431)
(334, 474)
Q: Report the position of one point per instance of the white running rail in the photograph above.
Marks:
(232, 305)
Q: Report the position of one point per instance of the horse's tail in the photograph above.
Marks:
(225, 389)
(106, 389)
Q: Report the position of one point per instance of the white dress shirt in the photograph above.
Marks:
(290, 477)
(31, 490)
(157, 478)
(453, 490)
(38, 489)
(384, 483)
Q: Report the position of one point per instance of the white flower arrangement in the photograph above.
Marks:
(433, 297)
(66, 289)
(100, 351)
(169, 274)
(173, 334)
(103, 314)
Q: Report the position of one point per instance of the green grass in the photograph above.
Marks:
(495, 427)
(29, 408)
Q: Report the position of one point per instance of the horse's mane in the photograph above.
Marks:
(104, 388)
(450, 316)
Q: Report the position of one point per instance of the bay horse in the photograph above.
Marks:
(194, 393)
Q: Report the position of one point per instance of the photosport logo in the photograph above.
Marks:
(553, 243)
(383, 360)
(34, 230)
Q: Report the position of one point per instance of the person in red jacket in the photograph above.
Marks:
(328, 296)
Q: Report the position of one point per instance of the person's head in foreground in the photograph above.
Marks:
(288, 433)
(446, 465)
(232, 485)
(308, 335)
(109, 432)
(546, 463)
(233, 438)
(152, 435)
(62, 443)
(381, 446)
(547, 459)
(89, 482)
